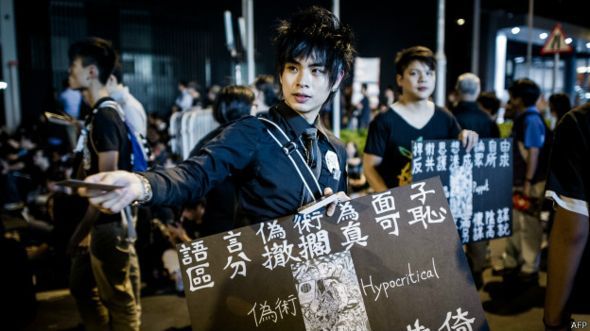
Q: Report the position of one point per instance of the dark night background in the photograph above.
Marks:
(188, 32)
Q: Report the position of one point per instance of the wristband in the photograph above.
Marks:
(147, 190)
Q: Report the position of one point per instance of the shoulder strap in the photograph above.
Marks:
(290, 150)
(111, 104)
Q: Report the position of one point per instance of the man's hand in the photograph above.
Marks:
(114, 201)
(469, 139)
(331, 209)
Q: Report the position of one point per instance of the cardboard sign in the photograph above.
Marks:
(478, 184)
(388, 261)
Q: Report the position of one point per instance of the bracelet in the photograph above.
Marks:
(147, 190)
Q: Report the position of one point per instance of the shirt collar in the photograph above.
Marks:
(296, 122)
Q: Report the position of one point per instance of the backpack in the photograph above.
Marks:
(544, 153)
(140, 151)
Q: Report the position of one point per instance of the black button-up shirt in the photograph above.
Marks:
(268, 184)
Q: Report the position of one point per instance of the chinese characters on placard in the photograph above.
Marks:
(467, 177)
(453, 321)
(196, 253)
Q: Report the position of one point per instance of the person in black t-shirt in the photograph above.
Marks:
(568, 185)
(111, 265)
(468, 113)
(314, 53)
(388, 154)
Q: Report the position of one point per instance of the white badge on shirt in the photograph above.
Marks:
(333, 164)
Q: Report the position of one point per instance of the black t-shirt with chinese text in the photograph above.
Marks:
(390, 137)
(570, 156)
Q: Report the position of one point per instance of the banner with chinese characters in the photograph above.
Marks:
(478, 184)
(388, 261)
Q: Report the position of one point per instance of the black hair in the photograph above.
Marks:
(416, 53)
(233, 102)
(118, 72)
(266, 85)
(560, 103)
(525, 89)
(490, 101)
(315, 32)
(95, 51)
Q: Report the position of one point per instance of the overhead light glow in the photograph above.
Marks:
(515, 30)
(3, 85)
(519, 59)
(568, 40)
(460, 21)
(543, 35)
(587, 45)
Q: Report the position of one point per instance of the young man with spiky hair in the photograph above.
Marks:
(314, 52)
(105, 283)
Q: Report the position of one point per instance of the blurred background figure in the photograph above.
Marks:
(193, 89)
(211, 96)
(184, 99)
(135, 114)
(221, 206)
(357, 182)
(265, 91)
(559, 104)
(70, 100)
(387, 99)
(489, 102)
(363, 109)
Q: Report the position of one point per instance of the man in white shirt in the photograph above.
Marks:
(135, 114)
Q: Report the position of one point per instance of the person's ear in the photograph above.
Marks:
(398, 79)
(92, 72)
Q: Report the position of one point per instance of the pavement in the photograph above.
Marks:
(524, 312)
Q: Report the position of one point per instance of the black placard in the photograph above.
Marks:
(478, 184)
(388, 261)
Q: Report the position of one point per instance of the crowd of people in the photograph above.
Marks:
(106, 244)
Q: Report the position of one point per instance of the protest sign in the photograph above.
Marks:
(478, 184)
(387, 261)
